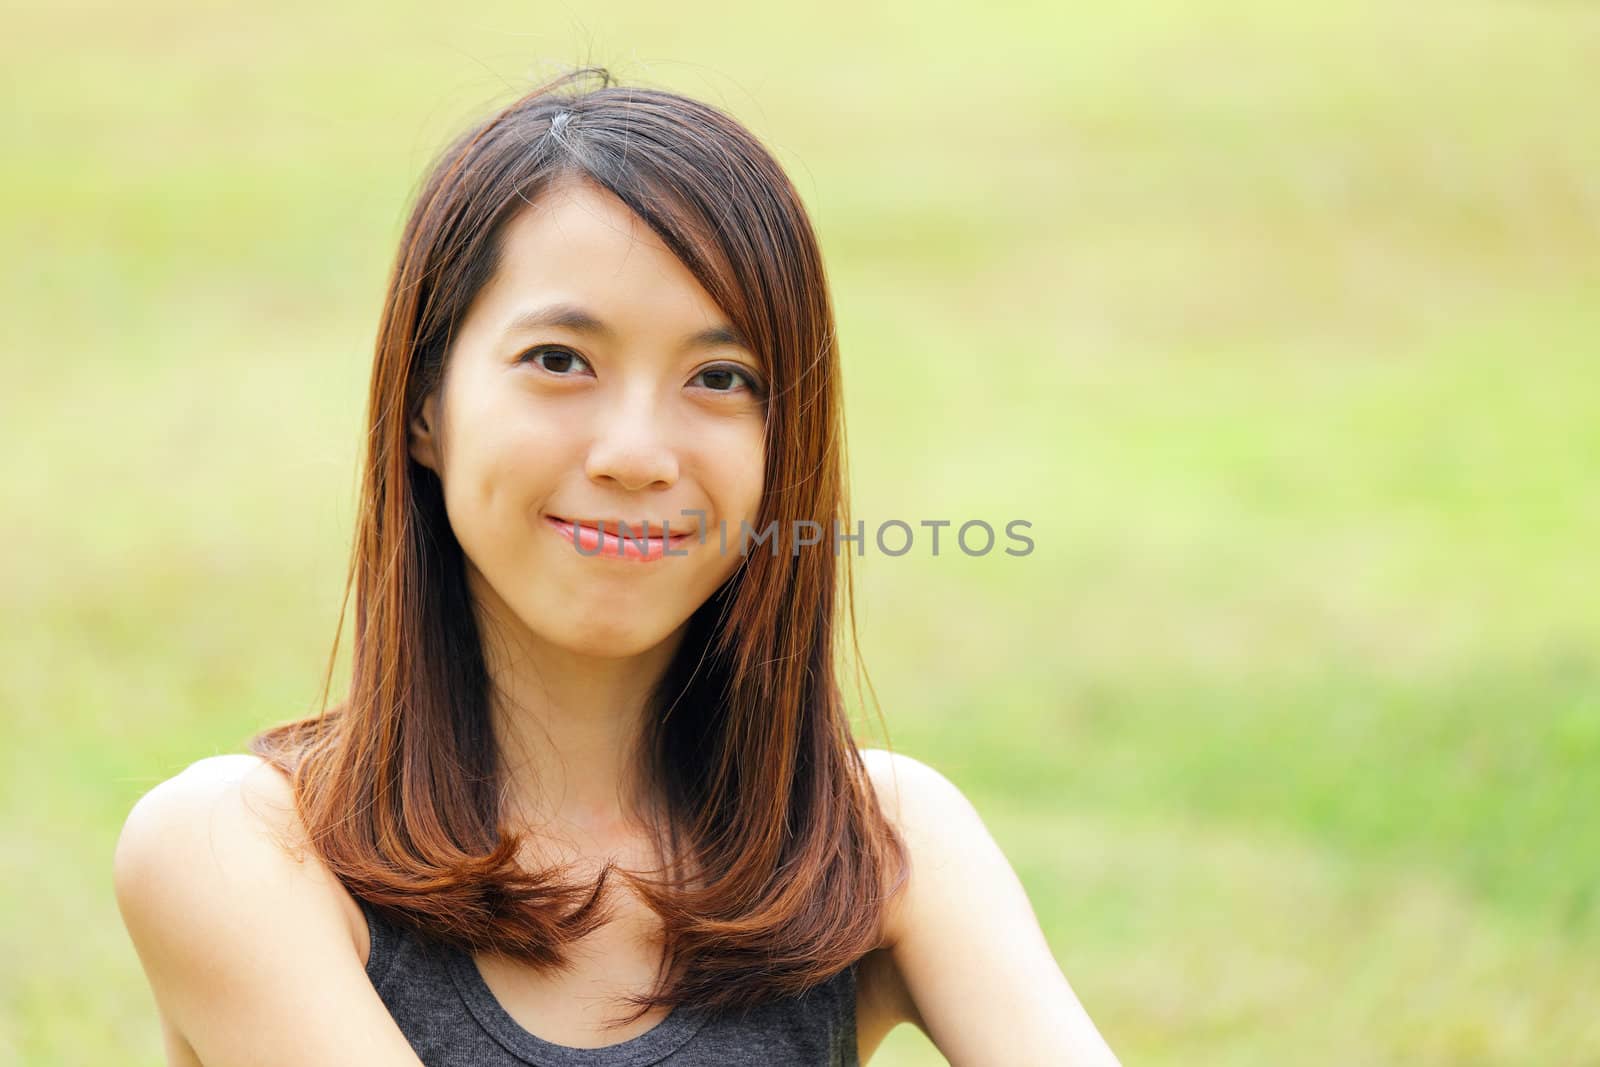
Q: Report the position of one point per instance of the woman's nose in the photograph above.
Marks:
(632, 447)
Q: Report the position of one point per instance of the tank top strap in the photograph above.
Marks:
(384, 942)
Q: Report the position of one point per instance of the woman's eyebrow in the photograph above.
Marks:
(581, 320)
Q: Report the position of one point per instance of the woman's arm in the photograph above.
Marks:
(965, 941)
(248, 950)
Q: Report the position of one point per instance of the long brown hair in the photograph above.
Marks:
(779, 859)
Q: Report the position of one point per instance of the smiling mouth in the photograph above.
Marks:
(620, 539)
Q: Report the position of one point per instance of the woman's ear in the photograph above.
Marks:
(423, 435)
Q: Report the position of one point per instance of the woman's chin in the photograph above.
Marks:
(606, 638)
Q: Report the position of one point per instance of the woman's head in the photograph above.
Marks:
(607, 304)
(708, 374)
(652, 414)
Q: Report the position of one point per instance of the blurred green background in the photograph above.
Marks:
(1280, 322)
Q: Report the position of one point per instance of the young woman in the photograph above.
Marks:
(585, 767)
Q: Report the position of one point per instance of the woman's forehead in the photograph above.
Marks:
(581, 248)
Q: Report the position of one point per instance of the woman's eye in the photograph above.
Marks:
(726, 379)
(558, 361)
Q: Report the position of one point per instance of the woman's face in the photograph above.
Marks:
(639, 416)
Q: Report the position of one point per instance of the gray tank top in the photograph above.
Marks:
(452, 1019)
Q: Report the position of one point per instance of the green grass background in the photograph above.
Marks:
(1280, 322)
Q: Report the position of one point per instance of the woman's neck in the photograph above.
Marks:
(569, 729)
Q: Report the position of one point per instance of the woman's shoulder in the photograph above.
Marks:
(228, 823)
(909, 791)
(228, 803)
(942, 830)
(240, 927)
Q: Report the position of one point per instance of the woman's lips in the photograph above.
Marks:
(595, 537)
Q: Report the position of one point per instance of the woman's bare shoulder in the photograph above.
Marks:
(884, 998)
(1008, 1000)
(243, 797)
(242, 929)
